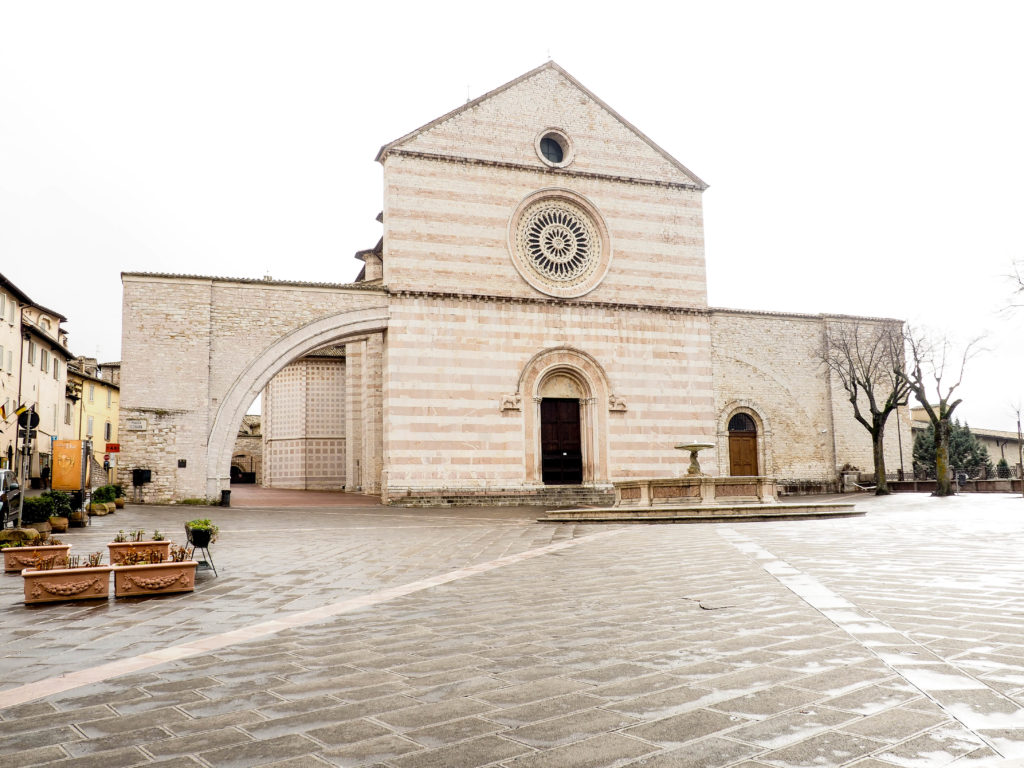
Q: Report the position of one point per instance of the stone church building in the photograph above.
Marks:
(532, 325)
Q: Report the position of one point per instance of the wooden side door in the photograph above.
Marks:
(743, 454)
(561, 446)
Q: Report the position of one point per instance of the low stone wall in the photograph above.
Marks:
(694, 489)
(971, 486)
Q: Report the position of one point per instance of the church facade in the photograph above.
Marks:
(532, 326)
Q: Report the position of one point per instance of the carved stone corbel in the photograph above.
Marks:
(512, 402)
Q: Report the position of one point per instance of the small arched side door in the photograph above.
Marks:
(742, 446)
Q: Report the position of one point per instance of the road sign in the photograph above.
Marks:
(113, 448)
(28, 419)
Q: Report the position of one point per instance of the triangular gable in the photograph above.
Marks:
(501, 127)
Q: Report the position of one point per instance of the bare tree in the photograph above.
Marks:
(867, 359)
(933, 359)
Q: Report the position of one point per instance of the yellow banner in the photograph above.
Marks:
(67, 465)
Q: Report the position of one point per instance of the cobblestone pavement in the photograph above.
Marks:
(369, 636)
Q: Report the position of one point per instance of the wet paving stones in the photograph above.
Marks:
(893, 639)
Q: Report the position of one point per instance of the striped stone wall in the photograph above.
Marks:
(446, 229)
(460, 387)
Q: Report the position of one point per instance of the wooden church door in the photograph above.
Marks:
(561, 447)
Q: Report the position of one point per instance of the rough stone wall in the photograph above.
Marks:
(451, 361)
(767, 364)
(185, 343)
(248, 454)
(305, 433)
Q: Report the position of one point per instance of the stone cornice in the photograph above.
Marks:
(800, 315)
(544, 170)
(375, 287)
(551, 302)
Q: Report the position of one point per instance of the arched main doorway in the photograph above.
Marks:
(576, 427)
(742, 445)
(560, 435)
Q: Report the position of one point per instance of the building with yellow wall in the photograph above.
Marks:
(91, 410)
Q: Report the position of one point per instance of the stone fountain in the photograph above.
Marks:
(697, 496)
(694, 449)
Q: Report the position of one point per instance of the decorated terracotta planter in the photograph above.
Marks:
(18, 558)
(50, 586)
(150, 550)
(155, 579)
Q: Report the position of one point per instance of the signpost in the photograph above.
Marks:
(28, 420)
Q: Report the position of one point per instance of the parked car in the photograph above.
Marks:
(10, 494)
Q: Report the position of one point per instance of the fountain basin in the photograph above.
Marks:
(695, 489)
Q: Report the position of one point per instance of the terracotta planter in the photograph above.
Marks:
(157, 579)
(58, 524)
(43, 527)
(77, 518)
(147, 549)
(119, 502)
(67, 584)
(98, 508)
(18, 558)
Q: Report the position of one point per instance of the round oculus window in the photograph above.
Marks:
(551, 150)
(554, 148)
(559, 245)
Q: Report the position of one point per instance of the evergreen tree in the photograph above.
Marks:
(965, 451)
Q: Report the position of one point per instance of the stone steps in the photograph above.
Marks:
(703, 514)
(547, 496)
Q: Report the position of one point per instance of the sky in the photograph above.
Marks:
(862, 158)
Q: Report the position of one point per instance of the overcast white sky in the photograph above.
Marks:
(863, 158)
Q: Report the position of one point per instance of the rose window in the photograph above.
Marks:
(559, 241)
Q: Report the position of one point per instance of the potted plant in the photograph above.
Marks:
(102, 501)
(139, 576)
(201, 533)
(42, 551)
(60, 510)
(82, 578)
(35, 513)
(155, 548)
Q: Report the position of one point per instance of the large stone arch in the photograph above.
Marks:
(592, 379)
(197, 350)
(255, 376)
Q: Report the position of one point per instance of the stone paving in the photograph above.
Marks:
(369, 636)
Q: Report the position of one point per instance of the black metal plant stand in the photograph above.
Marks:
(200, 540)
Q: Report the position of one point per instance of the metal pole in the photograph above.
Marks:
(1020, 454)
(899, 437)
(25, 447)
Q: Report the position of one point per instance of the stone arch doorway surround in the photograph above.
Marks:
(566, 373)
(743, 437)
(255, 376)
